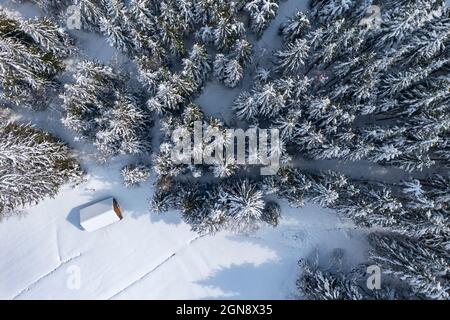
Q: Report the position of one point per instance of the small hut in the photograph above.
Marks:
(100, 214)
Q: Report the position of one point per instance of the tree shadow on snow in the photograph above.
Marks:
(275, 277)
(172, 217)
(250, 281)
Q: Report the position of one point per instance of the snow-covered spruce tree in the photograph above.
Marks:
(99, 108)
(197, 65)
(154, 33)
(242, 52)
(163, 163)
(327, 11)
(230, 68)
(141, 26)
(414, 212)
(235, 204)
(426, 269)
(32, 51)
(295, 27)
(261, 12)
(427, 206)
(126, 128)
(151, 72)
(293, 57)
(417, 209)
(33, 165)
(91, 13)
(226, 27)
(317, 282)
(193, 200)
(244, 204)
(353, 101)
(134, 174)
(331, 283)
(172, 91)
(86, 98)
(114, 25)
(245, 106)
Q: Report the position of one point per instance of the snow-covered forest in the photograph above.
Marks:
(92, 92)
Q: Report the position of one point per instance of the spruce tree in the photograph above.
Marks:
(31, 57)
(424, 268)
(133, 174)
(99, 108)
(33, 165)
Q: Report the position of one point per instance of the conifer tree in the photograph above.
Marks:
(243, 202)
(295, 27)
(33, 165)
(99, 108)
(424, 268)
(261, 13)
(31, 58)
(133, 175)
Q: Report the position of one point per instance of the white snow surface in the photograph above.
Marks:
(156, 256)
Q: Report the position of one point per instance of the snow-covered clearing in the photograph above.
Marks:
(150, 256)
(154, 256)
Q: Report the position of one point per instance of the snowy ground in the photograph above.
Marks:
(150, 256)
